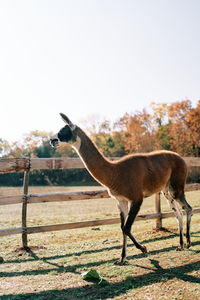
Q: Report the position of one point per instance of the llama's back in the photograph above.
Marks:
(149, 173)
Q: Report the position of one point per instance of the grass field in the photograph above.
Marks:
(53, 267)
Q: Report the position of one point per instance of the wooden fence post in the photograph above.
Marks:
(24, 210)
(158, 210)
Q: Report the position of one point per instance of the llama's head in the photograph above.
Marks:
(67, 134)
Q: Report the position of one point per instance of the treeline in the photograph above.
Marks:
(174, 126)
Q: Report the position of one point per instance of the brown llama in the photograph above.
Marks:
(132, 178)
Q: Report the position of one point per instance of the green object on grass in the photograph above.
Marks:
(92, 275)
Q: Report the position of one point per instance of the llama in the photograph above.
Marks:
(132, 178)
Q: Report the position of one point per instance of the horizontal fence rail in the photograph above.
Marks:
(10, 165)
(57, 227)
(54, 197)
(72, 196)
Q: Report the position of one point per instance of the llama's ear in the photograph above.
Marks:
(67, 120)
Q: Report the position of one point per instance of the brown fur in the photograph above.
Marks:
(146, 174)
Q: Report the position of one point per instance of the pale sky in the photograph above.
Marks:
(84, 57)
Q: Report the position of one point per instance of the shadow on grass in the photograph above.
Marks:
(85, 252)
(110, 290)
(56, 267)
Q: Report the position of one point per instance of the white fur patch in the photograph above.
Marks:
(123, 205)
(77, 144)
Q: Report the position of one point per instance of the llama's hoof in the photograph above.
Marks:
(1, 259)
(120, 262)
(179, 248)
(144, 249)
(188, 245)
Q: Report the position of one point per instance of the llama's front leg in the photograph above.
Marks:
(123, 207)
(124, 246)
(134, 209)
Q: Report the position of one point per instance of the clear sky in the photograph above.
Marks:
(84, 57)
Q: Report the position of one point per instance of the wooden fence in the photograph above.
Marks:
(26, 165)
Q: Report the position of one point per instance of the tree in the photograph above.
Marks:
(65, 150)
(108, 140)
(140, 134)
(161, 121)
(173, 126)
(179, 135)
(16, 150)
(192, 121)
(163, 136)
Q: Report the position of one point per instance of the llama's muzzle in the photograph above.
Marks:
(54, 141)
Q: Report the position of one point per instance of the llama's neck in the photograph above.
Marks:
(95, 162)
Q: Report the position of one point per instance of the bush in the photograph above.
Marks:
(49, 177)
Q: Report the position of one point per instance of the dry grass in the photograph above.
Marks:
(51, 270)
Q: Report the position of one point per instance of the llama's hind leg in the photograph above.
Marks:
(174, 206)
(188, 209)
(178, 213)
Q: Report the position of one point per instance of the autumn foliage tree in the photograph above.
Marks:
(177, 127)
(178, 132)
(139, 132)
(192, 121)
